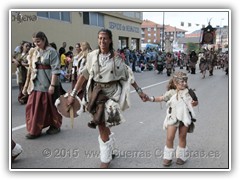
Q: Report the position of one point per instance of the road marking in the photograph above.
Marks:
(19, 127)
(151, 85)
(146, 87)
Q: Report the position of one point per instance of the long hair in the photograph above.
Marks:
(171, 85)
(87, 50)
(109, 33)
(43, 37)
(53, 45)
(79, 45)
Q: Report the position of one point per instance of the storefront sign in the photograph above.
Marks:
(121, 27)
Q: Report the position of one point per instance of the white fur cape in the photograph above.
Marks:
(180, 104)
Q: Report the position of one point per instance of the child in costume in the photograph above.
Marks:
(180, 115)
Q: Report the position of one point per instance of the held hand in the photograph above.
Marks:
(51, 89)
(194, 103)
(24, 91)
(70, 100)
(143, 96)
(146, 98)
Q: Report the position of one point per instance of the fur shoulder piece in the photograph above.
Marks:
(31, 51)
(32, 72)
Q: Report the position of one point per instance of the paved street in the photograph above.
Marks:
(141, 139)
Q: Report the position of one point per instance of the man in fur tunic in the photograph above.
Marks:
(108, 89)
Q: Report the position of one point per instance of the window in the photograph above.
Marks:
(93, 18)
(100, 20)
(62, 16)
(137, 14)
(149, 29)
(54, 15)
(129, 14)
(42, 14)
(65, 16)
(85, 18)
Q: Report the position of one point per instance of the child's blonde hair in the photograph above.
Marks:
(171, 85)
(177, 76)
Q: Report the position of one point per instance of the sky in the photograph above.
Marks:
(174, 18)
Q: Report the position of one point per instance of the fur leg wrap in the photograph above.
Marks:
(168, 153)
(182, 153)
(111, 136)
(106, 149)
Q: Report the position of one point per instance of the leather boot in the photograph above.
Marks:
(168, 155)
(104, 165)
(182, 155)
(167, 162)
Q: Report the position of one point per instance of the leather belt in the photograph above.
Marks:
(41, 66)
(105, 85)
